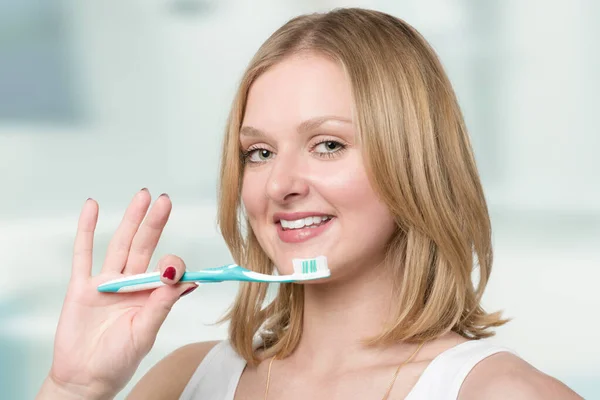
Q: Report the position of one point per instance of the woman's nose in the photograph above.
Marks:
(286, 180)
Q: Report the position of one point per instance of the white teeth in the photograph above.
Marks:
(303, 222)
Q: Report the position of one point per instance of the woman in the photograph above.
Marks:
(346, 140)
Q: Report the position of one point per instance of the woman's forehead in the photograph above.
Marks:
(298, 89)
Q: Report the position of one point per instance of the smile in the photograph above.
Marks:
(302, 229)
(311, 222)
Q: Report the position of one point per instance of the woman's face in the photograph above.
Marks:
(305, 188)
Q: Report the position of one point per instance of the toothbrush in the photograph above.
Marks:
(304, 270)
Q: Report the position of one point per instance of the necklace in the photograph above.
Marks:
(390, 386)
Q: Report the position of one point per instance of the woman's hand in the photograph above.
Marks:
(102, 337)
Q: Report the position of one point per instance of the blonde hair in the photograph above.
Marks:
(419, 160)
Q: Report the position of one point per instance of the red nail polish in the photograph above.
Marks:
(189, 290)
(170, 273)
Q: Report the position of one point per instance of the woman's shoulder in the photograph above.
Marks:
(193, 352)
(505, 375)
(161, 381)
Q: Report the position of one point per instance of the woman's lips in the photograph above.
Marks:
(302, 234)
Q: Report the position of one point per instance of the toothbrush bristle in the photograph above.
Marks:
(310, 265)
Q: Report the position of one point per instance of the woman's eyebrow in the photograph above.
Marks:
(305, 126)
(314, 123)
(251, 132)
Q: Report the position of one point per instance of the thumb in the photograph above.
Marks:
(150, 318)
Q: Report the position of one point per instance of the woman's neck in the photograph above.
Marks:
(339, 315)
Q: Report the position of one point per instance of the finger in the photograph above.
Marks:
(150, 318)
(171, 269)
(147, 236)
(84, 241)
(118, 248)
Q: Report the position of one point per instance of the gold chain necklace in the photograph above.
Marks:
(390, 386)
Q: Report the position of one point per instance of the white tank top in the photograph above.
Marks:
(218, 375)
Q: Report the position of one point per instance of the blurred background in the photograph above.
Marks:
(101, 98)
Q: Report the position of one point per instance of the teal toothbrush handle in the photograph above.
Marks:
(152, 280)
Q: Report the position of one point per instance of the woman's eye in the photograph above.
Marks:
(259, 155)
(328, 146)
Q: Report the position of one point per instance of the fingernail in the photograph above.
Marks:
(143, 189)
(189, 290)
(165, 195)
(169, 273)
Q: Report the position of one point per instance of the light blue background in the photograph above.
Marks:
(101, 98)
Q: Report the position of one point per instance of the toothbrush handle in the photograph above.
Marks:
(133, 283)
(151, 280)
